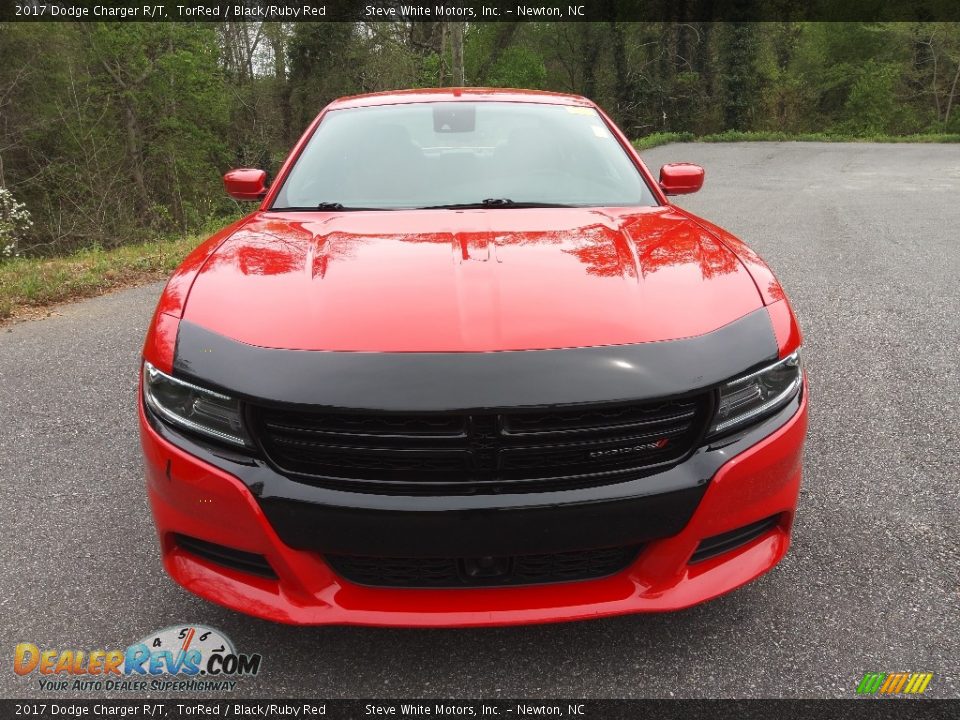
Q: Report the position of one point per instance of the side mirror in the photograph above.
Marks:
(246, 184)
(681, 178)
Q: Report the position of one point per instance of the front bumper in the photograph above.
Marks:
(753, 477)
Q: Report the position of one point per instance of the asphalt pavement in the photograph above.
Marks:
(866, 240)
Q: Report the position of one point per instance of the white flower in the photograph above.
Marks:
(14, 223)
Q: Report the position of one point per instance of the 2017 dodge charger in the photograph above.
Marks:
(467, 365)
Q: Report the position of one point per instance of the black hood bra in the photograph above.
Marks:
(426, 382)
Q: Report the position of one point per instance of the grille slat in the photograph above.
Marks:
(615, 423)
(470, 453)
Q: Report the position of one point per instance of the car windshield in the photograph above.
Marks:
(485, 154)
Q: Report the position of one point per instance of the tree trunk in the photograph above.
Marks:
(591, 51)
(136, 152)
(952, 95)
(277, 38)
(624, 90)
(669, 61)
(456, 52)
(443, 54)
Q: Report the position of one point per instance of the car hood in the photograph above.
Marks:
(471, 280)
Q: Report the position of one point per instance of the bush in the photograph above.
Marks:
(15, 222)
(870, 104)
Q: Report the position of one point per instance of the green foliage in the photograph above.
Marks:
(430, 71)
(118, 133)
(739, 53)
(320, 67)
(871, 99)
(124, 132)
(519, 67)
(662, 138)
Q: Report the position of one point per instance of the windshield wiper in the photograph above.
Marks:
(496, 203)
(324, 206)
(488, 203)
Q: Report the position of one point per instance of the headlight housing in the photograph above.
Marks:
(751, 398)
(193, 408)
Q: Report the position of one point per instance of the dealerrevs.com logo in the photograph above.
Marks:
(186, 658)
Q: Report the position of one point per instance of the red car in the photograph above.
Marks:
(467, 365)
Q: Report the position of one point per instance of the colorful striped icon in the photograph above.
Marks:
(894, 683)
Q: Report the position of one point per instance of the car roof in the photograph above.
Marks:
(399, 97)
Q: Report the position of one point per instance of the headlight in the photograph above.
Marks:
(193, 408)
(752, 397)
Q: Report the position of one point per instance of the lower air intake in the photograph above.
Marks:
(226, 556)
(482, 572)
(725, 542)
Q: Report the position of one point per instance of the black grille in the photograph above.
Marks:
(226, 556)
(725, 542)
(482, 572)
(453, 453)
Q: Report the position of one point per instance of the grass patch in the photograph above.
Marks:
(655, 139)
(663, 138)
(36, 282)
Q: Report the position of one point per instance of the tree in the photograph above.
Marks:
(113, 132)
(739, 73)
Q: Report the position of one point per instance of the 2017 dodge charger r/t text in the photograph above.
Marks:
(467, 365)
